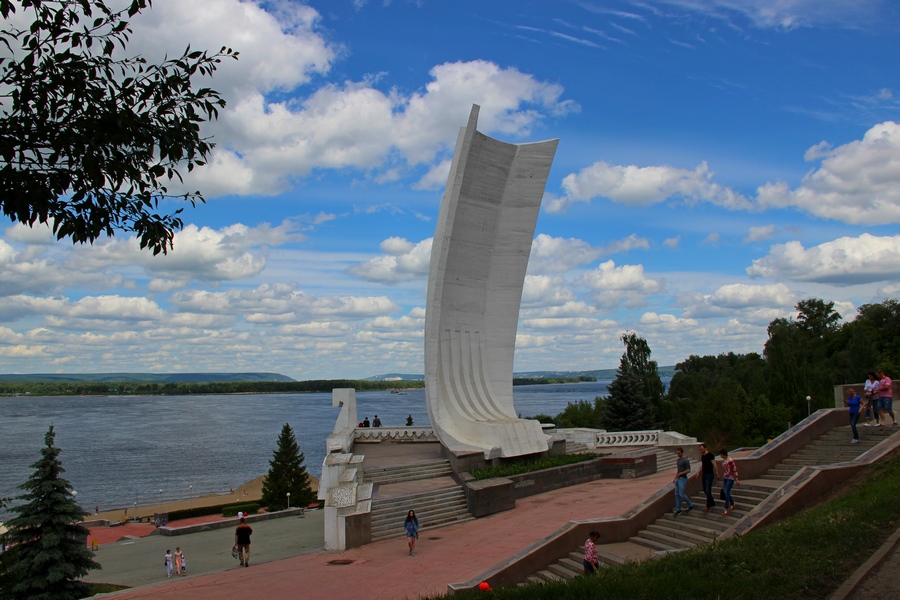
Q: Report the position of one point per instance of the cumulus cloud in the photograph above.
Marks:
(199, 254)
(856, 183)
(666, 322)
(282, 304)
(402, 261)
(557, 255)
(757, 304)
(435, 178)
(612, 285)
(844, 261)
(643, 186)
(542, 290)
(32, 271)
(756, 234)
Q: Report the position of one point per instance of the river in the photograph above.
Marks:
(118, 450)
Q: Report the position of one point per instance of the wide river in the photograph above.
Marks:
(118, 450)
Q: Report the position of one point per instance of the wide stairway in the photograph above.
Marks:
(696, 527)
(434, 507)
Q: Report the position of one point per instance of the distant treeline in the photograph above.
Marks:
(543, 380)
(188, 388)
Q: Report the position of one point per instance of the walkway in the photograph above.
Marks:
(384, 570)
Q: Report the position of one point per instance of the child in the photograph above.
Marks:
(591, 560)
(168, 563)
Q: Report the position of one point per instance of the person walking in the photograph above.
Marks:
(411, 524)
(885, 397)
(168, 563)
(729, 479)
(177, 556)
(709, 473)
(591, 558)
(870, 395)
(682, 470)
(854, 402)
(242, 541)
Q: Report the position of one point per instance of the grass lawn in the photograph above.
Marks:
(805, 556)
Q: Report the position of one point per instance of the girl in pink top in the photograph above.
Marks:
(729, 479)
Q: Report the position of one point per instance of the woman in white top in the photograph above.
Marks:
(870, 396)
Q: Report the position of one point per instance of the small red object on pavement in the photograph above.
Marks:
(484, 586)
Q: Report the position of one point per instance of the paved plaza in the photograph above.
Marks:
(382, 570)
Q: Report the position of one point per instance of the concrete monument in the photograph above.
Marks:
(478, 261)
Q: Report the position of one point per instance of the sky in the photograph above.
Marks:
(719, 160)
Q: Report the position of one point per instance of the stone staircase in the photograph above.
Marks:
(576, 447)
(830, 448)
(396, 474)
(665, 461)
(689, 529)
(434, 508)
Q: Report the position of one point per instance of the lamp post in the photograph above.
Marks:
(191, 494)
(289, 500)
(808, 405)
(160, 501)
(134, 516)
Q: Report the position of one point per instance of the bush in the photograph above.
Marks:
(233, 509)
(199, 511)
(547, 462)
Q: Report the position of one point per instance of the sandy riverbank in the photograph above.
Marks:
(249, 492)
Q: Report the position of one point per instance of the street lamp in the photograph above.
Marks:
(160, 501)
(191, 494)
(808, 405)
(134, 516)
(289, 500)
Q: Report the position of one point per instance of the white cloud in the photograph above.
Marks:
(199, 254)
(435, 178)
(280, 303)
(642, 186)
(758, 304)
(404, 261)
(672, 242)
(541, 290)
(40, 233)
(857, 183)
(844, 261)
(666, 322)
(32, 271)
(756, 234)
(612, 285)
(557, 255)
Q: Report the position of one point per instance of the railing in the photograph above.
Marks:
(629, 438)
(394, 434)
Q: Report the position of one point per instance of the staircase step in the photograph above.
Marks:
(699, 529)
(663, 538)
(547, 575)
(653, 544)
(679, 533)
(562, 571)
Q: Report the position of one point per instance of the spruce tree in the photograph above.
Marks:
(627, 408)
(50, 553)
(286, 474)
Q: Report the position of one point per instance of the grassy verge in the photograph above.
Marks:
(527, 467)
(806, 556)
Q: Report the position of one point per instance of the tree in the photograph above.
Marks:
(637, 356)
(582, 414)
(88, 142)
(627, 408)
(50, 552)
(286, 474)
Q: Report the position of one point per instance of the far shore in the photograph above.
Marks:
(249, 492)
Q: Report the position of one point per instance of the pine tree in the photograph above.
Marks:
(286, 474)
(627, 408)
(48, 539)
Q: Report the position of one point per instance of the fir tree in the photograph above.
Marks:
(49, 549)
(627, 408)
(286, 474)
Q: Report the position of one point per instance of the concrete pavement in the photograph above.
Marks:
(384, 570)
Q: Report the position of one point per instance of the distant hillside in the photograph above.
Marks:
(667, 371)
(141, 377)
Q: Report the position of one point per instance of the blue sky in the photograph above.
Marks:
(719, 160)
